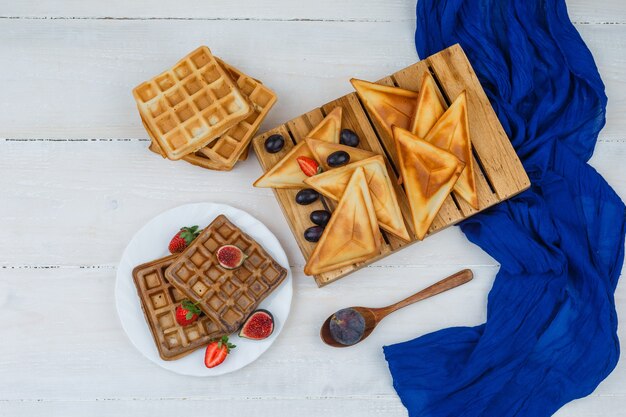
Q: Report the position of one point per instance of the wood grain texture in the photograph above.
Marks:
(583, 11)
(454, 74)
(116, 55)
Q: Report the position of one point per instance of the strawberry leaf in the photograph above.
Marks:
(191, 307)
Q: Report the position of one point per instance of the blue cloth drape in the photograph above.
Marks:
(550, 334)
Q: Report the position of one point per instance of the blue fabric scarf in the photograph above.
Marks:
(550, 335)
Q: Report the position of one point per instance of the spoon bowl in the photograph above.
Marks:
(373, 316)
(370, 323)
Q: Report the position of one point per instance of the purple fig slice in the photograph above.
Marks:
(259, 326)
(230, 256)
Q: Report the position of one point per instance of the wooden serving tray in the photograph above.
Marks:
(499, 172)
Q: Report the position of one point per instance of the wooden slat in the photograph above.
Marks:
(499, 173)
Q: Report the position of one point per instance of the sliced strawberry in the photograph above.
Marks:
(309, 166)
(217, 351)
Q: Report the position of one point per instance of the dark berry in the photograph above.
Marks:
(320, 217)
(349, 138)
(337, 159)
(313, 234)
(307, 196)
(274, 143)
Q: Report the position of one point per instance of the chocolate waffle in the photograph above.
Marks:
(159, 300)
(226, 296)
(191, 104)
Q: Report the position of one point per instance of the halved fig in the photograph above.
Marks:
(259, 326)
(230, 256)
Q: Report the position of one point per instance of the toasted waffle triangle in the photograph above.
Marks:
(430, 107)
(391, 106)
(321, 151)
(333, 183)
(287, 172)
(352, 235)
(429, 174)
(329, 129)
(451, 132)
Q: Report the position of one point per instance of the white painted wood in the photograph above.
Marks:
(80, 182)
(80, 72)
(73, 351)
(348, 10)
(76, 198)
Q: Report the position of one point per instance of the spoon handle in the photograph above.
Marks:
(445, 284)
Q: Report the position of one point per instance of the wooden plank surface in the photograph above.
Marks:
(580, 11)
(82, 182)
(500, 172)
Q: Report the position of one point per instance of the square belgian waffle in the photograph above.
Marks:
(233, 143)
(159, 300)
(191, 104)
(223, 153)
(226, 296)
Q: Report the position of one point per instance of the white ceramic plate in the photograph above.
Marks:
(151, 242)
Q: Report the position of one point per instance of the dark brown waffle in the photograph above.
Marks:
(226, 296)
(159, 300)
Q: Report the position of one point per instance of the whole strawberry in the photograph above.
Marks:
(187, 313)
(183, 238)
(217, 351)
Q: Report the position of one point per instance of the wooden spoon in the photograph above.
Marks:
(373, 316)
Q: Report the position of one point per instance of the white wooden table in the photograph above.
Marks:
(76, 182)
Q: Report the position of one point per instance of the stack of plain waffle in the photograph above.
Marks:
(225, 296)
(203, 110)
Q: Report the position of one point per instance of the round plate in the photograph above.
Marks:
(151, 243)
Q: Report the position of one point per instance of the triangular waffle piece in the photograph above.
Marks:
(321, 151)
(191, 104)
(333, 183)
(429, 174)
(287, 172)
(451, 132)
(430, 107)
(391, 106)
(329, 129)
(352, 235)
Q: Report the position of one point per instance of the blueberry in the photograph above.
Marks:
(313, 234)
(349, 138)
(320, 217)
(337, 159)
(307, 196)
(274, 143)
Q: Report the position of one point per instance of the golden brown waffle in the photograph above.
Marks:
(214, 156)
(191, 104)
(195, 158)
(229, 147)
(159, 300)
(226, 296)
